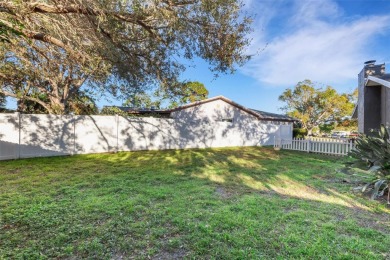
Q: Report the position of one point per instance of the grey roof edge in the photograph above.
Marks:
(355, 112)
(261, 115)
(274, 115)
(378, 81)
(265, 116)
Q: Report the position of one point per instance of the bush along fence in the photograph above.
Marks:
(339, 147)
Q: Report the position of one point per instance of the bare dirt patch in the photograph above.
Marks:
(176, 254)
(225, 193)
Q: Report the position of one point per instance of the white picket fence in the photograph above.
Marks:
(317, 145)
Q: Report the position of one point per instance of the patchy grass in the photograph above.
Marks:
(212, 203)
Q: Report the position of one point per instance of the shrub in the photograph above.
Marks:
(372, 155)
(111, 111)
(299, 132)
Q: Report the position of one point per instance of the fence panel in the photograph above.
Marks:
(9, 136)
(94, 134)
(27, 135)
(45, 135)
(329, 146)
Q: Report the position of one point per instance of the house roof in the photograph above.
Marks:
(375, 81)
(261, 115)
(273, 116)
(372, 81)
(133, 110)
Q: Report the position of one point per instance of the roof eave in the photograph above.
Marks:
(371, 79)
(355, 112)
(231, 102)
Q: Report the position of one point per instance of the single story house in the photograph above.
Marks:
(373, 105)
(217, 108)
(232, 123)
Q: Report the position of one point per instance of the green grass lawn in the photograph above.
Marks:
(230, 203)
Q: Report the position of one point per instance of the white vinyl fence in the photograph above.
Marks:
(316, 145)
(23, 136)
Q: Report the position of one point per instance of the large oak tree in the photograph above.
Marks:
(57, 47)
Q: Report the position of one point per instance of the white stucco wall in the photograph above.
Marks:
(9, 136)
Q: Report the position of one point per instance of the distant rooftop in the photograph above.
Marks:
(273, 115)
(166, 112)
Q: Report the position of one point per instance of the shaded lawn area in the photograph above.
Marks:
(212, 203)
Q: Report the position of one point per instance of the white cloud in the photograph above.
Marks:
(315, 42)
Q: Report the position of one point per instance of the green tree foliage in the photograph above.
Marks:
(83, 104)
(327, 127)
(56, 47)
(174, 96)
(185, 93)
(111, 111)
(142, 100)
(299, 132)
(27, 106)
(315, 106)
(80, 104)
(341, 124)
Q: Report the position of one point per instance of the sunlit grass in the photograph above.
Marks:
(208, 203)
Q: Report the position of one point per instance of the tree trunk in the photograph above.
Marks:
(58, 106)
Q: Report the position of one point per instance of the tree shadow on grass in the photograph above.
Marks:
(179, 202)
(254, 169)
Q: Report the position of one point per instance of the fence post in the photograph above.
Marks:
(74, 134)
(19, 133)
(350, 145)
(117, 132)
(308, 145)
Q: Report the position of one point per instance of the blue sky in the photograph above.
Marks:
(326, 41)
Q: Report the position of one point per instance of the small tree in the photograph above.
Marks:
(185, 93)
(142, 100)
(315, 106)
(111, 111)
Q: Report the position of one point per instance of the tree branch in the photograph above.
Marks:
(9, 94)
(45, 38)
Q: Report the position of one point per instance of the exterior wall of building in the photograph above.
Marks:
(372, 108)
(372, 100)
(361, 101)
(385, 106)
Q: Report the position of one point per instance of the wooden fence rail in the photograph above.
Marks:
(317, 145)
